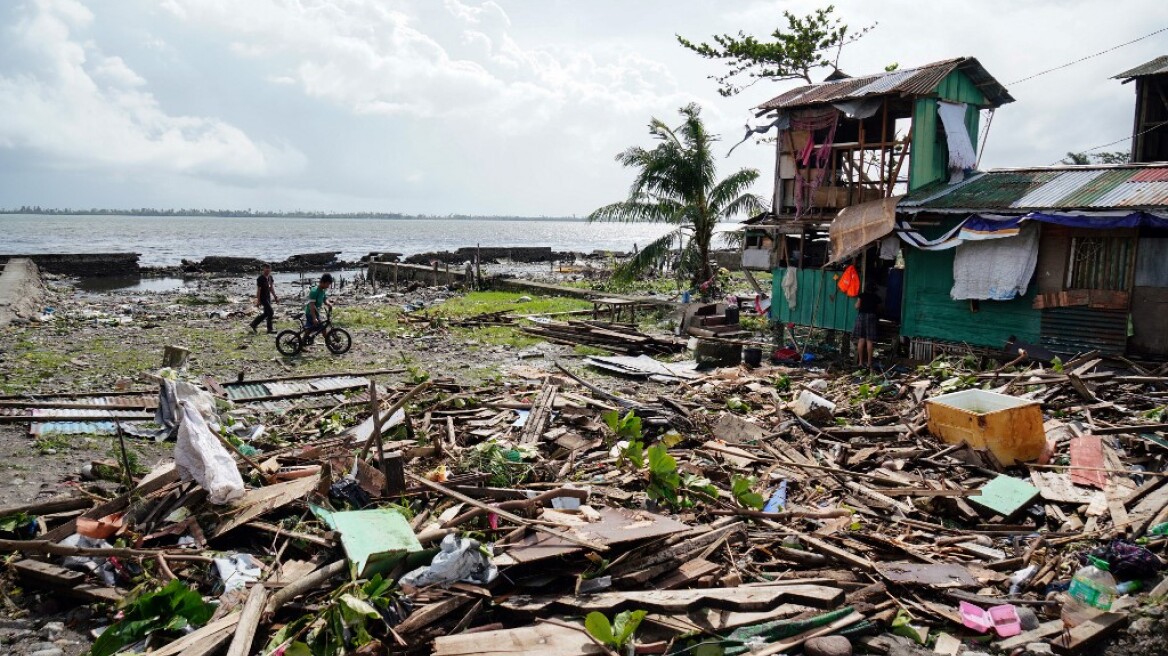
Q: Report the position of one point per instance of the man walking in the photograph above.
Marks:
(265, 296)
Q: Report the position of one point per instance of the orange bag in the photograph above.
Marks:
(849, 283)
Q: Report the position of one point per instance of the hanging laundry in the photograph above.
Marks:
(889, 248)
(849, 282)
(791, 286)
(995, 269)
(961, 153)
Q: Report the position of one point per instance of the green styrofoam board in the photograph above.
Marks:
(1006, 495)
(374, 540)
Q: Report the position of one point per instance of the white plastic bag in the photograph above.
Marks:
(198, 455)
(461, 559)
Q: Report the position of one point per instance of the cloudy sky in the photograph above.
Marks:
(464, 106)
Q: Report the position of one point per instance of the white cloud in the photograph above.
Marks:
(458, 61)
(85, 109)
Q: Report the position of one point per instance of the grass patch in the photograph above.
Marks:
(585, 350)
(196, 300)
(54, 442)
(498, 336)
(379, 318)
(476, 303)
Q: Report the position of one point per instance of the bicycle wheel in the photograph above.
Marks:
(338, 341)
(288, 342)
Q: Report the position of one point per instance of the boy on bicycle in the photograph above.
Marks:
(317, 298)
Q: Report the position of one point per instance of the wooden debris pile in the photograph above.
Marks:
(736, 512)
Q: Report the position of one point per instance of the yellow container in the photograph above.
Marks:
(1009, 427)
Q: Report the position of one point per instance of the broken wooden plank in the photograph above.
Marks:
(263, 500)
(430, 613)
(754, 598)
(543, 639)
(1089, 632)
(64, 581)
(939, 575)
(541, 414)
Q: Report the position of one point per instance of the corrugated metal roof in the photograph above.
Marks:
(1154, 67)
(912, 82)
(1101, 187)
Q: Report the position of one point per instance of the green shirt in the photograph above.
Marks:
(318, 296)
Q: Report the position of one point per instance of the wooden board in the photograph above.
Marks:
(538, 640)
(940, 575)
(1006, 495)
(65, 581)
(677, 601)
(709, 620)
(1087, 451)
(257, 502)
(1088, 632)
(617, 526)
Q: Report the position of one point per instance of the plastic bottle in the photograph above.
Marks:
(1092, 592)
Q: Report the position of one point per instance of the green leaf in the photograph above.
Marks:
(660, 462)
(625, 625)
(744, 495)
(598, 627)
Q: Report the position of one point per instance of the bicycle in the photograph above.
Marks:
(292, 342)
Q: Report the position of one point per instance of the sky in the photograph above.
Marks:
(502, 107)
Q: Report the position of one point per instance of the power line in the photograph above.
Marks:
(1112, 143)
(1082, 59)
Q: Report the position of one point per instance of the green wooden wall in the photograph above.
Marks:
(929, 156)
(930, 313)
(821, 303)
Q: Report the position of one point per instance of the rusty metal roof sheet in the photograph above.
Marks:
(1067, 188)
(911, 82)
(1155, 67)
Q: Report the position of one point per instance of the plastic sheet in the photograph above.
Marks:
(198, 455)
(461, 559)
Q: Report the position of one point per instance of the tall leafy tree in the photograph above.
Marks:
(676, 183)
(807, 43)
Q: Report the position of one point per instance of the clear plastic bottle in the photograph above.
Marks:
(1092, 591)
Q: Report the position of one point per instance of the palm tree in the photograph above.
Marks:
(676, 183)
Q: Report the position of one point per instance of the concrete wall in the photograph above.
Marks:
(84, 265)
(21, 291)
(385, 272)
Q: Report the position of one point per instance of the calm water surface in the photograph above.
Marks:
(165, 241)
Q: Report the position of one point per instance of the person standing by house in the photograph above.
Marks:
(265, 296)
(867, 325)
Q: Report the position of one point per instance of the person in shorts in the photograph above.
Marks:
(867, 325)
(317, 299)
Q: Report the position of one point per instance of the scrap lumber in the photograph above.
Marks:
(540, 415)
(249, 621)
(756, 598)
(543, 639)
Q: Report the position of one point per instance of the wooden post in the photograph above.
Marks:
(126, 473)
(393, 466)
(395, 276)
(375, 407)
(175, 357)
(435, 277)
(478, 268)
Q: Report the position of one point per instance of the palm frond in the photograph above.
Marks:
(748, 204)
(730, 188)
(639, 210)
(649, 256)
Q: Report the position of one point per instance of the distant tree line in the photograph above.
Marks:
(249, 213)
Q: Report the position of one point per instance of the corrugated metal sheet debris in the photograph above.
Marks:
(1073, 330)
(912, 82)
(246, 391)
(72, 428)
(1060, 188)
